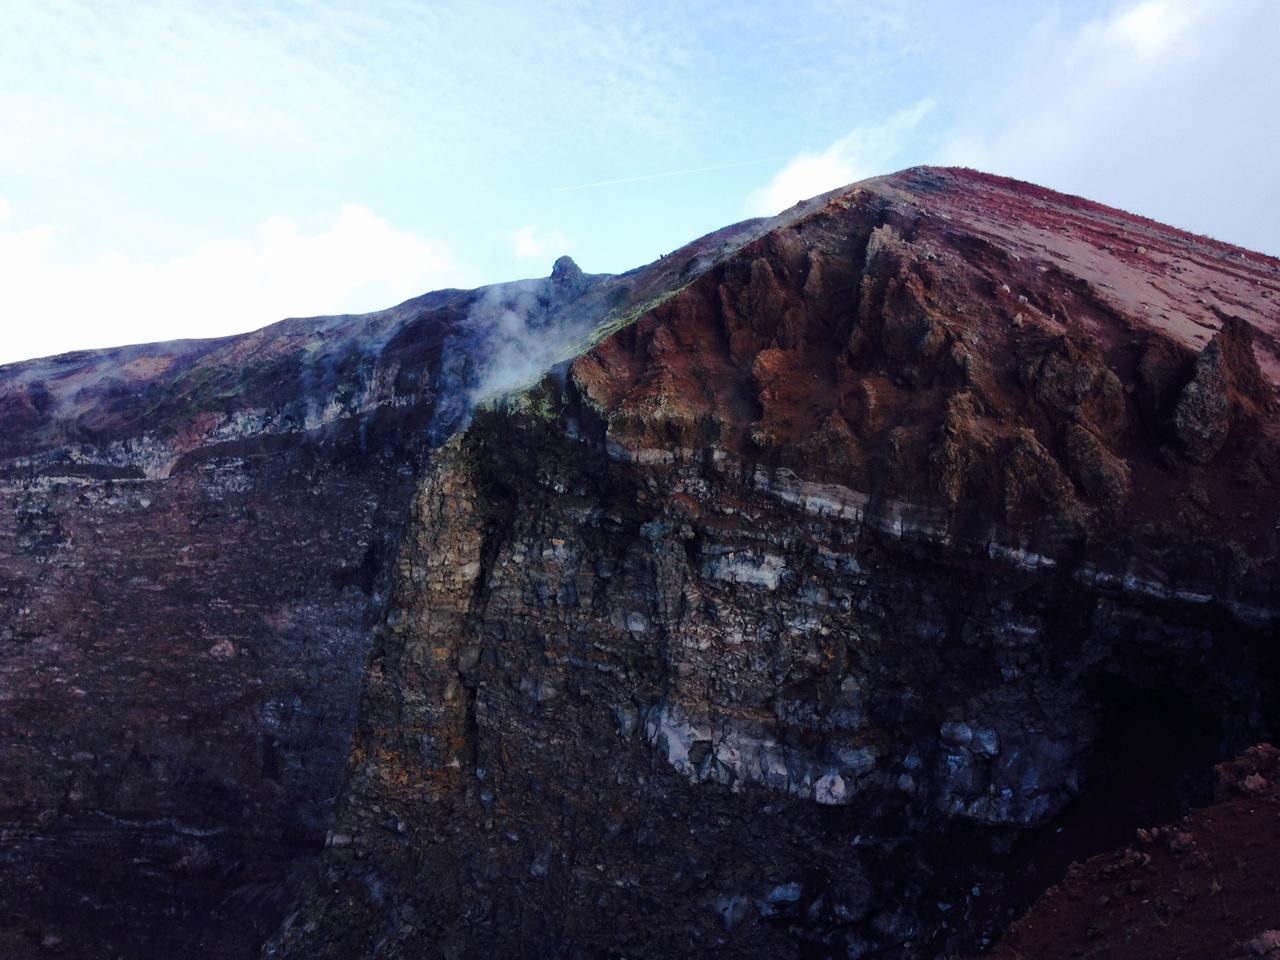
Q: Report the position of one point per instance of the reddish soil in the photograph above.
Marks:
(1206, 886)
(1161, 277)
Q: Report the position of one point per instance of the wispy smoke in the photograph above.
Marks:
(522, 335)
(513, 334)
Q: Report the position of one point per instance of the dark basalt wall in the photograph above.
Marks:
(196, 543)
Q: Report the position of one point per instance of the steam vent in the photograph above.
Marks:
(896, 578)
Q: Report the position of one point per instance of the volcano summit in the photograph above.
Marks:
(824, 588)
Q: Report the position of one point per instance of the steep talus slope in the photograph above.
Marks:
(833, 605)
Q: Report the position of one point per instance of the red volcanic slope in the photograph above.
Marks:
(979, 346)
(1155, 274)
(1006, 407)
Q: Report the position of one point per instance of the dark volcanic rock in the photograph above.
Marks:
(851, 574)
(196, 542)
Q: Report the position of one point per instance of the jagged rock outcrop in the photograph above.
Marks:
(1226, 389)
(847, 576)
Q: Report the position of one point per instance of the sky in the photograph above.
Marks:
(173, 169)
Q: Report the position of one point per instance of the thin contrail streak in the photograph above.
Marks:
(669, 173)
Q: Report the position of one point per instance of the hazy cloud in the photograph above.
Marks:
(1164, 107)
(1100, 78)
(532, 243)
(352, 261)
(132, 135)
(1161, 107)
(1148, 29)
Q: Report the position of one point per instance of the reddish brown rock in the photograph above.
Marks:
(1226, 389)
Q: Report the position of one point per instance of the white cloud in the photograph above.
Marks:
(862, 153)
(530, 243)
(1089, 86)
(6, 211)
(1162, 107)
(354, 261)
(1150, 28)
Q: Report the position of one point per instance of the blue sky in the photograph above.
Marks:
(175, 169)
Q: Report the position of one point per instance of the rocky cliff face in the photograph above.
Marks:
(847, 576)
(196, 542)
